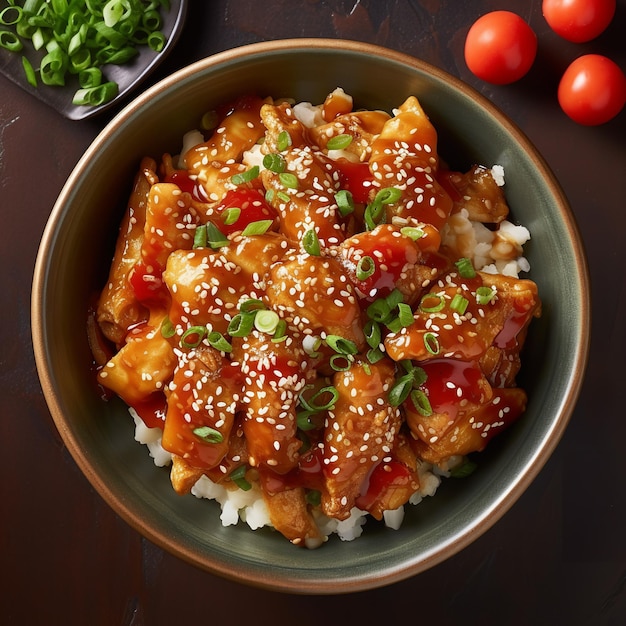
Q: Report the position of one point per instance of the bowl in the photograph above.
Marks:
(76, 249)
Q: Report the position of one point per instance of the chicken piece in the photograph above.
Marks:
(307, 201)
(404, 156)
(170, 224)
(396, 261)
(480, 195)
(274, 373)
(204, 396)
(313, 293)
(212, 163)
(205, 287)
(441, 329)
(291, 517)
(360, 433)
(460, 429)
(118, 307)
(183, 476)
(143, 365)
(362, 126)
(392, 482)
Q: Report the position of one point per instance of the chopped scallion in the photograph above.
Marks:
(339, 142)
(311, 243)
(208, 434)
(257, 228)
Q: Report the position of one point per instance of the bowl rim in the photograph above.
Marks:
(483, 522)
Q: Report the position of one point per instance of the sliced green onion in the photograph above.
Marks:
(231, 215)
(252, 304)
(95, 96)
(459, 304)
(341, 362)
(288, 180)
(304, 421)
(266, 321)
(245, 177)
(82, 35)
(465, 268)
(373, 334)
(341, 345)
(339, 142)
(419, 376)
(400, 390)
(241, 325)
(274, 162)
(405, 314)
(437, 300)
(257, 228)
(388, 195)
(484, 295)
(374, 355)
(215, 237)
(284, 140)
(311, 243)
(313, 497)
(412, 232)
(431, 343)
(394, 298)
(365, 268)
(238, 476)
(167, 328)
(219, 342)
(373, 215)
(421, 402)
(269, 196)
(10, 41)
(345, 202)
(464, 470)
(29, 71)
(208, 434)
(196, 333)
(313, 405)
(284, 197)
(200, 237)
(280, 334)
(379, 311)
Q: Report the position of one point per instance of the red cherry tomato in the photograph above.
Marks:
(500, 47)
(578, 20)
(592, 90)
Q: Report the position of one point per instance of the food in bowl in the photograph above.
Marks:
(312, 317)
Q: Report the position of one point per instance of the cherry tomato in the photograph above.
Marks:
(500, 47)
(592, 90)
(578, 20)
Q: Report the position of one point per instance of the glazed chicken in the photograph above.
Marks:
(291, 304)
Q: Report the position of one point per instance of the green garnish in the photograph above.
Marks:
(74, 36)
(339, 142)
(208, 434)
(311, 243)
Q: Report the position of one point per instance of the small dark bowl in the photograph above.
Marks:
(77, 246)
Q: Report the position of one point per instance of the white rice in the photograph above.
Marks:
(249, 506)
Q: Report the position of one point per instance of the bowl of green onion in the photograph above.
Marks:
(81, 58)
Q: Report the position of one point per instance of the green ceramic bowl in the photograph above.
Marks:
(76, 250)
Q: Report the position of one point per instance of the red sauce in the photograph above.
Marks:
(450, 381)
(147, 282)
(356, 178)
(384, 476)
(152, 411)
(253, 209)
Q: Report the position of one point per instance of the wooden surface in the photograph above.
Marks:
(557, 557)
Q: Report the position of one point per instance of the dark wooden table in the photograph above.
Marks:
(557, 557)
